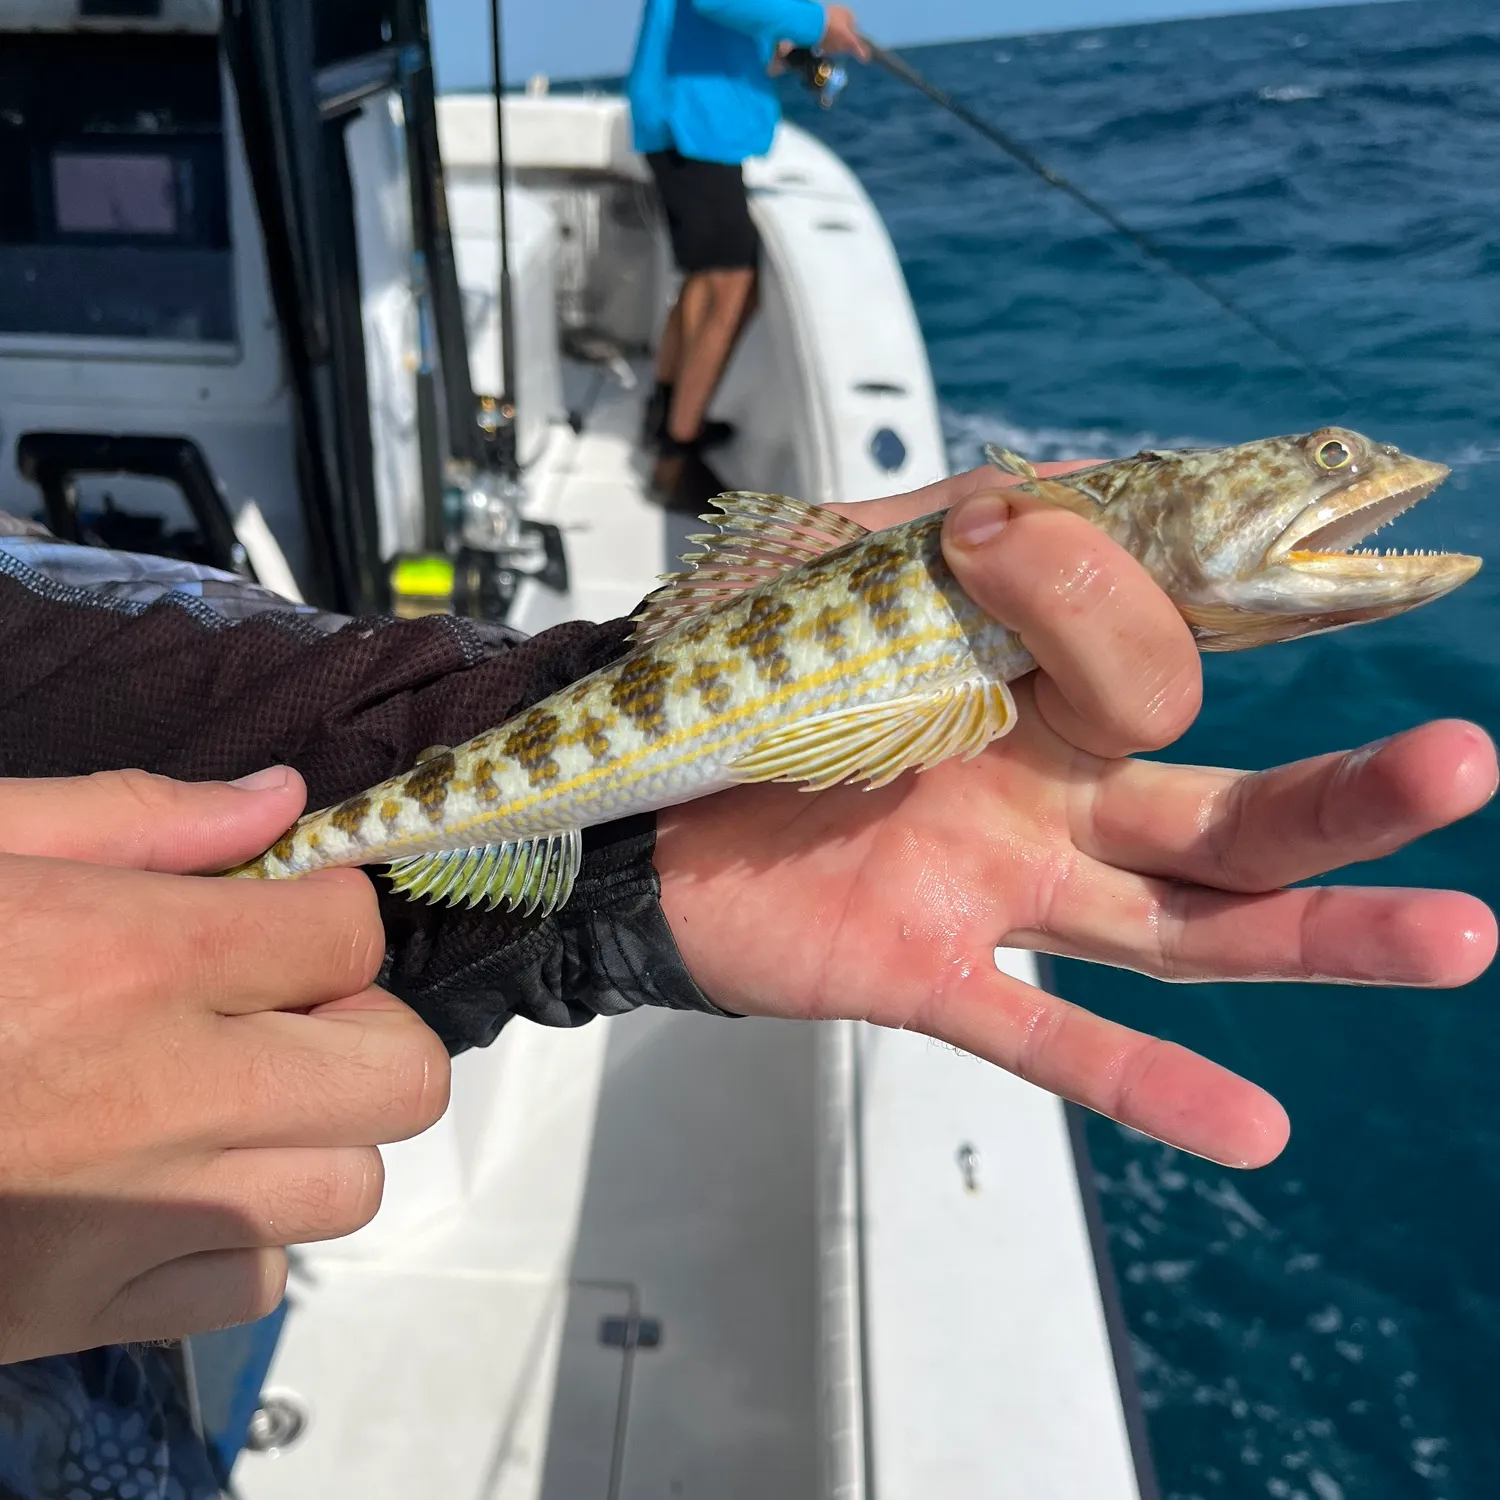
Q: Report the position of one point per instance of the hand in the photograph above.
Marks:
(841, 33)
(193, 1073)
(886, 906)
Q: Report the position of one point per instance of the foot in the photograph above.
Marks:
(710, 435)
(683, 482)
(654, 418)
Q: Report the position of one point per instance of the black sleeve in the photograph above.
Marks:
(109, 660)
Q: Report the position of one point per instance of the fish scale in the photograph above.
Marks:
(798, 647)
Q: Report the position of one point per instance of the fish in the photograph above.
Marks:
(798, 647)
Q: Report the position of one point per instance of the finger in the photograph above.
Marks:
(1120, 669)
(232, 946)
(347, 1075)
(875, 515)
(148, 822)
(1257, 832)
(231, 1200)
(290, 944)
(250, 1199)
(194, 1294)
(1150, 1085)
(1324, 934)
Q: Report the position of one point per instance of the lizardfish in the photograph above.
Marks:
(798, 647)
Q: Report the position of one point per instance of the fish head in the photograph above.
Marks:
(1256, 543)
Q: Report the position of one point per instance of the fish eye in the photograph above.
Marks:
(1333, 454)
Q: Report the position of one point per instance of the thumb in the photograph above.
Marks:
(144, 822)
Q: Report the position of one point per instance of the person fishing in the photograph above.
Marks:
(703, 100)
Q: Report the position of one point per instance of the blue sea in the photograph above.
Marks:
(1327, 1328)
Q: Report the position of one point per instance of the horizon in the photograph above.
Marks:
(538, 39)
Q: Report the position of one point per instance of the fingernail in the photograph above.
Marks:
(269, 780)
(977, 520)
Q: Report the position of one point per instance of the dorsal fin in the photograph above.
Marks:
(1008, 462)
(759, 537)
(1063, 496)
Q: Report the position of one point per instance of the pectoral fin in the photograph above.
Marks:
(1222, 627)
(877, 742)
(1053, 491)
(529, 875)
(1008, 462)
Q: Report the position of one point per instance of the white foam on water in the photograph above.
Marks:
(966, 433)
(1472, 455)
(1290, 93)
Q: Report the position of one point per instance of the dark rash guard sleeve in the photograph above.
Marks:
(111, 660)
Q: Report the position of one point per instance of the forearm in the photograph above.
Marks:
(219, 682)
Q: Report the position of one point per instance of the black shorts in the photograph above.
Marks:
(708, 213)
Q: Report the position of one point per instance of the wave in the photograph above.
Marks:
(1473, 455)
(1290, 93)
(966, 433)
(1470, 47)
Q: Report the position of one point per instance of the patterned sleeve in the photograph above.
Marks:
(110, 660)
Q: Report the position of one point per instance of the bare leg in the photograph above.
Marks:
(689, 308)
(693, 304)
(715, 305)
(669, 350)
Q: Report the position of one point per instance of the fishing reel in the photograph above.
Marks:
(491, 551)
(476, 583)
(820, 75)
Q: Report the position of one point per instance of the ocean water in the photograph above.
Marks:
(1327, 1328)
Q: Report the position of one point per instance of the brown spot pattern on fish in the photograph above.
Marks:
(390, 812)
(828, 628)
(640, 693)
(697, 630)
(286, 846)
(876, 579)
(428, 785)
(592, 737)
(707, 680)
(484, 780)
(349, 816)
(761, 637)
(531, 744)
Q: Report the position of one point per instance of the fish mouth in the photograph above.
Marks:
(1322, 539)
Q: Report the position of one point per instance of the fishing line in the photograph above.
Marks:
(1148, 247)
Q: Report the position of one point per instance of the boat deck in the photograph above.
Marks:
(595, 485)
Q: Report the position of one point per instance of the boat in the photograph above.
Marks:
(261, 320)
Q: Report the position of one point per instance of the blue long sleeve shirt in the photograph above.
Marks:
(699, 79)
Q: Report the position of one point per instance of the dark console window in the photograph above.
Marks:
(114, 218)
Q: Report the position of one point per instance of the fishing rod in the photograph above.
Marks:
(504, 436)
(818, 75)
